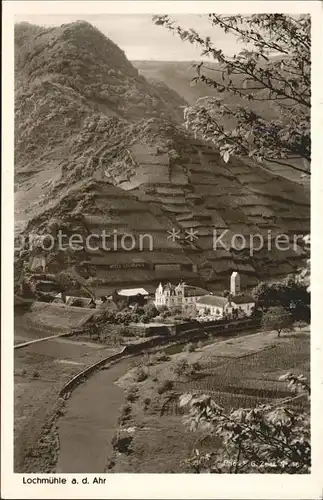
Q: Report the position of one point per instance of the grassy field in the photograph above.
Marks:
(41, 370)
(44, 320)
(240, 372)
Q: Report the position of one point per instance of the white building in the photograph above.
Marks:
(181, 295)
(133, 292)
(212, 305)
(244, 303)
(235, 287)
(236, 304)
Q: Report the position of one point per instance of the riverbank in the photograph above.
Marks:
(40, 371)
(88, 424)
(242, 371)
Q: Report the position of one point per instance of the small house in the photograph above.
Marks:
(243, 302)
(134, 296)
(235, 304)
(212, 305)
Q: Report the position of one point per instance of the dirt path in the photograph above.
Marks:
(89, 424)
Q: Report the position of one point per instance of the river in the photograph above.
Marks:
(90, 422)
(91, 418)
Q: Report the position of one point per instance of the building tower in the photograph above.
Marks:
(235, 283)
(159, 295)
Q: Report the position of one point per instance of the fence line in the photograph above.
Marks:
(133, 349)
(35, 341)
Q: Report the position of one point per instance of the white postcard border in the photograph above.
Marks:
(176, 486)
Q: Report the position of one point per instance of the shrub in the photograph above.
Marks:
(177, 311)
(196, 366)
(164, 312)
(189, 317)
(141, 374)
(132, 394)
(122, 330)
(111, 462)
(146, 360)
(300, 324)
(150, 310)
(147, 401)
(114, 338)
(163, 309)
(123, 317)
(162, 356)
(145, 318)
(77, 303)
(121, 443)
(159, 319)
(152, 359)
(36, 374)
(125, 412)
(190, 347)
(278, 319)
(166, 385)
(125, 409)
(180, 367)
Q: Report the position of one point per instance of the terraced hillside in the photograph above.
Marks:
(195, 189)
(108, 265)
(98, 148)
(178, 75)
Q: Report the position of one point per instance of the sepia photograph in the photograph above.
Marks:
(162, 243)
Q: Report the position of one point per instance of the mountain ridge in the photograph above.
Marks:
(107, 147)
(179, 76)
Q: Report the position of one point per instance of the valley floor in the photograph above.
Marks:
(40, 371)
(151, 437)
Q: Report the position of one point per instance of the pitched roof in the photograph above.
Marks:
(70, 301)
(242, 298)
(213, 300)
(131, 292)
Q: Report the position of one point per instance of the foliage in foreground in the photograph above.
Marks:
(266, 439)
(273, 70)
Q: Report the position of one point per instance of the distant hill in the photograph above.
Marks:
(98, 146)
(178, 76)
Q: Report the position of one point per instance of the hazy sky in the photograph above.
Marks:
(140, 38)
